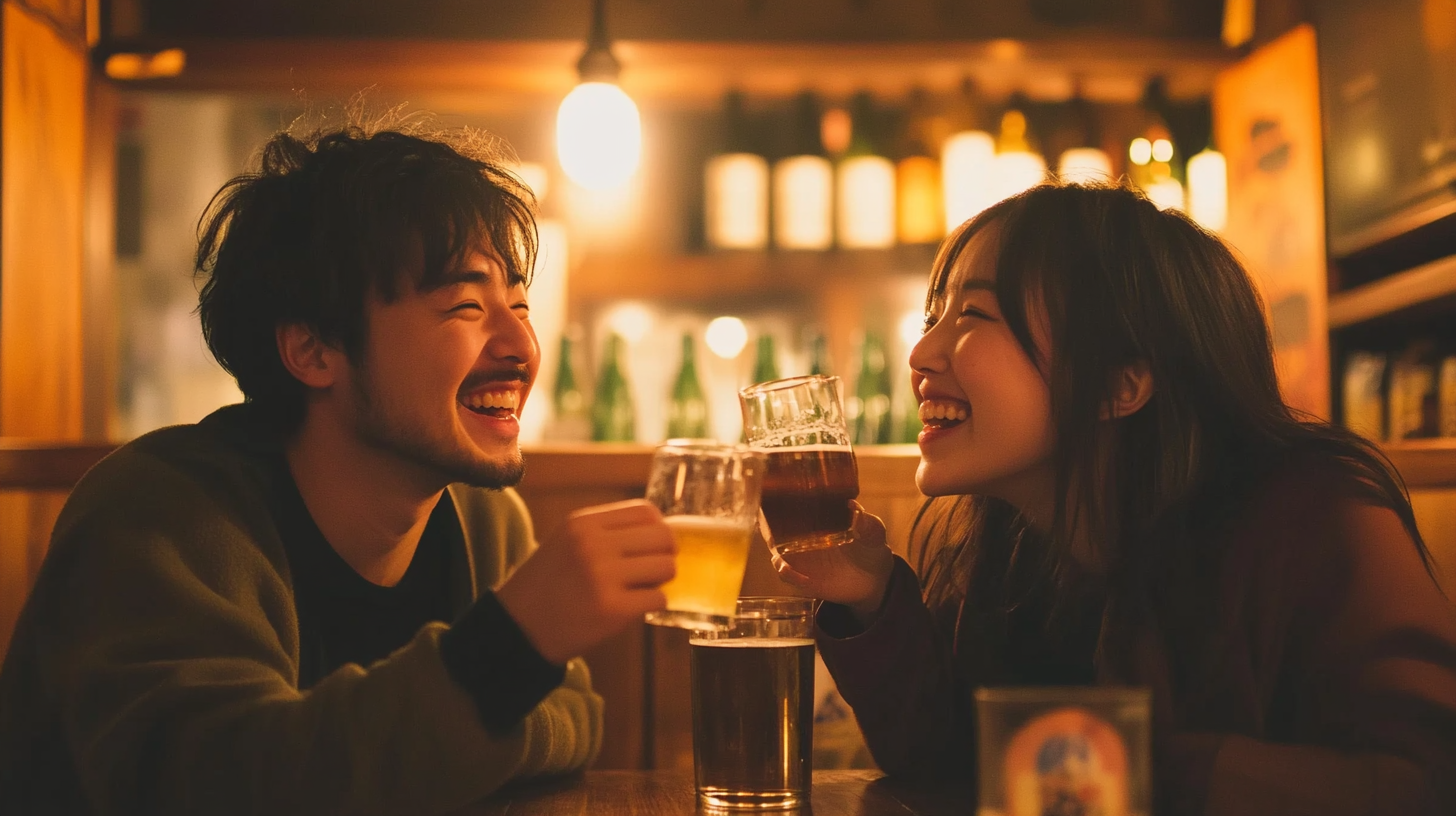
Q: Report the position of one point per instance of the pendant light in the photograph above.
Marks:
(803, 184)
(736, 186)
(865, 185)
(598, 129)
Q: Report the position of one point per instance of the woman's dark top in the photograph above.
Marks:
(1325, 682)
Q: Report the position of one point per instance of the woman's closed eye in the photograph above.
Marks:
(975, 313)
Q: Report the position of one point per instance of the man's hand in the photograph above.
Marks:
(573, 594)
(854, 574)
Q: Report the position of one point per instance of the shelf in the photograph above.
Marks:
(1424, 463)
(1395, 293)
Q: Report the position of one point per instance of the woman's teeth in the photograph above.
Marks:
(943, 413)
(497, 403)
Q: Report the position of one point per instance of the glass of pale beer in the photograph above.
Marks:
(708, 494)
(798, 423)
(753, 707)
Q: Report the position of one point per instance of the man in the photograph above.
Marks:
(310, 602)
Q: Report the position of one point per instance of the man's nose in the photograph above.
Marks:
(510, 337)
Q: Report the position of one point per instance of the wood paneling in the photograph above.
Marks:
(42, 167)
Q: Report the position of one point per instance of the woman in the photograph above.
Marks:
(1123, 498)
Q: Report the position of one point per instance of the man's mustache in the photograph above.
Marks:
(476, 379)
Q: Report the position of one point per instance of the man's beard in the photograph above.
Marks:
(385, 428)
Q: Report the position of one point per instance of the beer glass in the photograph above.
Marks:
(708, 494)
(1063, 750)
(753, 707)
(799, 424)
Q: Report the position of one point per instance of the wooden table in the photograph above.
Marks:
(670, 793)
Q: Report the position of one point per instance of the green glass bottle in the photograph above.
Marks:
(687, 414)
(870, 408)
(569, 421)
(819, 356)
(613, 419)
(766, 363)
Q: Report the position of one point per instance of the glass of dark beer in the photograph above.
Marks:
(811, 477)
(753, 707)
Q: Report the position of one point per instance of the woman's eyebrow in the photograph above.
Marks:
(989, 286)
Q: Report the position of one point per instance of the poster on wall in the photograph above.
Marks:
(1267, 123)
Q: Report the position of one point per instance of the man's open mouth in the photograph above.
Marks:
(943, 413)
(498, 404)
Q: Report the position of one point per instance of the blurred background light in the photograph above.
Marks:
(726, 336)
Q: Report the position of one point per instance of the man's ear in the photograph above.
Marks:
(1131, 390)
(313, 362)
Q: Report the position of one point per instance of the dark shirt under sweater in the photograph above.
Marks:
(344, 618)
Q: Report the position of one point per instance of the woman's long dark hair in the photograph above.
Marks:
(1121, 282)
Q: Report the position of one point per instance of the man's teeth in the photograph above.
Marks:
(943, 411)
(491, 399)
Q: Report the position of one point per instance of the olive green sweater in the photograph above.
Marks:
(155, 667)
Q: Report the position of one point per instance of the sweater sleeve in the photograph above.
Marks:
(1377, 688)
(173, 661)
(897, 676)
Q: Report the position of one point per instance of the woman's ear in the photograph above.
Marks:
(313, 362)
(1131, 390)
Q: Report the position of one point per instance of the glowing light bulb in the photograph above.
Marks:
(1140, 151)
(1166, 193)
(599, 136)
(726, 337)
(1082, 165)
(1162, 150)
(912, 328)
(1208, 189)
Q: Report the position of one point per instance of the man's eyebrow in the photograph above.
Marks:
(463, 276)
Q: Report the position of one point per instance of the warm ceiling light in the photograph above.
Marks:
(156, 65)
(598, 129)
(1162, 150)
(1140, 151)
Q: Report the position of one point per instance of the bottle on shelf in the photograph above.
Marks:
(570, 421)
(765, 362)
(865, 184)
(1412, 399)
(920, 204)
(736, 182)
(869, 409)
(819, 355)
(613, 418)
(687, 413)
(803, 183)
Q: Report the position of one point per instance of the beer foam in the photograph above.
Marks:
(707, 524)
(752, 642)
(789, 447)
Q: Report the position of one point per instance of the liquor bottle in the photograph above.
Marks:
(865, 184)
(736, 185)
(920, 203)
(870, 408)
(570, 421)
(687, 414)
(766, 364)
(819, 356)
(803, 183)
(613, 419)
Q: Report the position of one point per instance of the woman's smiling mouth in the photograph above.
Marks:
(941, 413)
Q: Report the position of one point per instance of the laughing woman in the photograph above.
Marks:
(1122, 497)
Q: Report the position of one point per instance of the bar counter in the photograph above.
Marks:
(671, 793)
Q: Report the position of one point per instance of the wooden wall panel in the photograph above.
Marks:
(42, 192)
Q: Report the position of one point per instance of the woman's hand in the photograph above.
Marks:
(855, 574)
